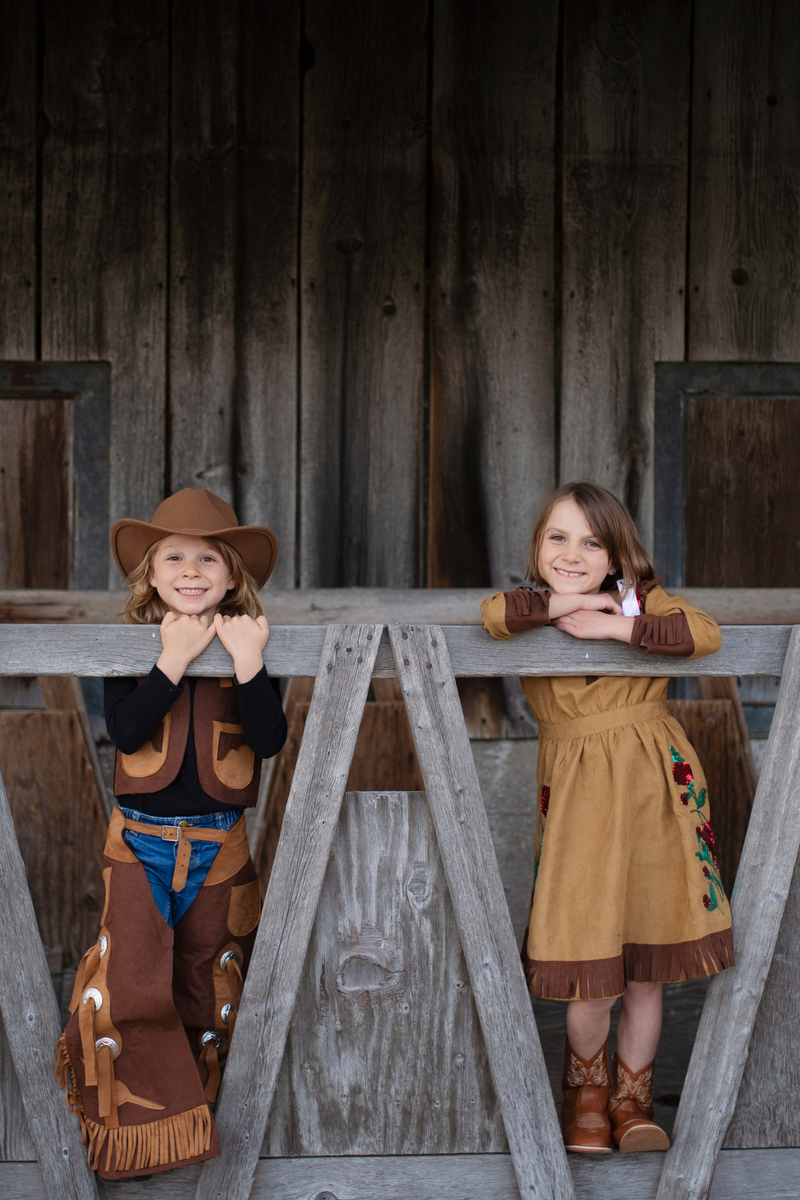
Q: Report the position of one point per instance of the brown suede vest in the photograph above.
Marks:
(229, 770)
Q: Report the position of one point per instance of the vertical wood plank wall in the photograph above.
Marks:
(383, 275)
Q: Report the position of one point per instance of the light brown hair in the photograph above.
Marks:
(611, 524)
(144, 606)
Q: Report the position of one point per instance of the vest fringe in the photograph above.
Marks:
(602, 978)
(135, 1147)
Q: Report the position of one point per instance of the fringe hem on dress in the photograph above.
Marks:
(602, 978)
(170, 1141)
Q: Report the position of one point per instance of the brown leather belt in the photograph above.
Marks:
(183, 834)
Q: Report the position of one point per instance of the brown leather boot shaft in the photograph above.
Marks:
(630, 1110)
(586, 1085)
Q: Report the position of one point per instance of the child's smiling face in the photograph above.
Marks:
(571, 559)
(190, 576)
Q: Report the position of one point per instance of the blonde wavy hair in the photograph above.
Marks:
(144, 606)
(611, 524)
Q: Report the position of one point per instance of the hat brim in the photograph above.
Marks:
(256, 545)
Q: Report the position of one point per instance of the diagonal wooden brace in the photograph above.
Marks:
(476, 893)
(759, 898)
(309, 826)
(33, 1027)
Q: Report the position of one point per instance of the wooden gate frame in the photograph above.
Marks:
(426, 659)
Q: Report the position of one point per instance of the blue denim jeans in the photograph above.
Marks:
(158, 858)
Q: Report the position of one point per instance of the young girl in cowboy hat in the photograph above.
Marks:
(155, 999)
(627, 892)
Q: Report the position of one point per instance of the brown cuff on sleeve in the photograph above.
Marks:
(663, 635)
(526, 609)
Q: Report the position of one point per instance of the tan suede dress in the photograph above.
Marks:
(626, 881)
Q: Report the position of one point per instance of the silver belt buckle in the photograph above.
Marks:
(170, 833)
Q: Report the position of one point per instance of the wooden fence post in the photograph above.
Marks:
(309, 825)
(759, 898)
(31, 1019)
(479, 903)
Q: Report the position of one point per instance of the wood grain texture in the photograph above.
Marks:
(487, 939)
(766, 1108)
(362, 251)
(104, 265)
(385, 1053)
(32, 1024)
(492, 417)
(384, 759)
(439, 606)
(745, 192)
(742, 491)
(266, 300)
(740, 1175)
(626, 95)
(36, 493)
(97, 650)
(15, 1138)
(309, 826)
(721, 1047)
(18, 181)
(61, 823)
(203, 244)
(713, 730)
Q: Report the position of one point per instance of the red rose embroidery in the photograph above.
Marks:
(707, 834)
(684, 798)
(682, 773)
(707, 901)
(706, 872)
(545, 800)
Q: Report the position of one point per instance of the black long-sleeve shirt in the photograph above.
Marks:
(134, 711)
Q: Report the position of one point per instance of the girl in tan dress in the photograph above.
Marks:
(627, 892)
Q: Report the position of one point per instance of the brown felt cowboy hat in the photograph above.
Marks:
(200, 513)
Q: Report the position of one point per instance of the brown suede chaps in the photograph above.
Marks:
(153, 1011)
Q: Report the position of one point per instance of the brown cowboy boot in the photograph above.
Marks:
(631, 1110)
(586, 1085)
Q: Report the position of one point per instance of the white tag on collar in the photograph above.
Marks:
(630, 605)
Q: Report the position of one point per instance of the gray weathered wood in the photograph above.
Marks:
(104, 223)
(437, 606)
(32, 1025)
(385, 1053)
(492, 288)
(363, 291)
(767, 1110)
(487, 939)
(18, 181)
(745, 195)
(741, 1175)
(266, 312)
(202, 349)
(757, 906)
(15, 1138)
(626, 101)
(292, 650)
(308, 829)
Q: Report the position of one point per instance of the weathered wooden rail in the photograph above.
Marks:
(426, 659)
